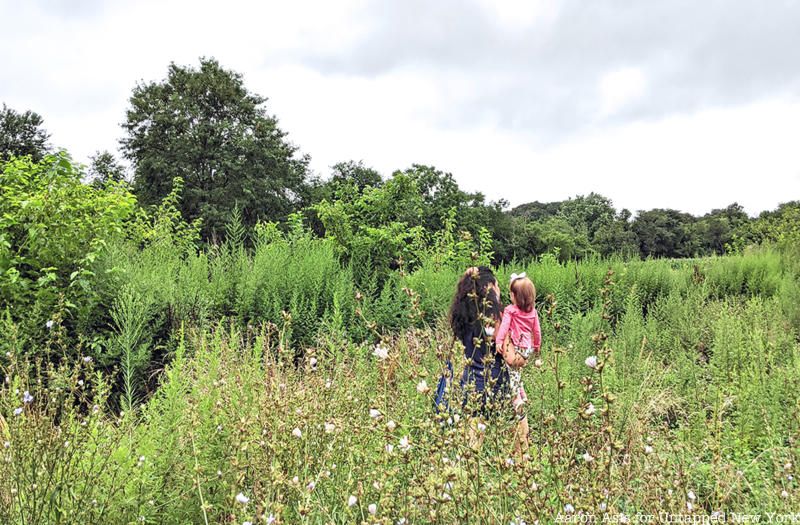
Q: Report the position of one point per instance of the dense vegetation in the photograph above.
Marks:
(198, 345)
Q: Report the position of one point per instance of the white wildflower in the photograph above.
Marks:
(352, 500)
(623, 518)
(247, 523)
(49, 324)
(784, 494)
(689, 506)
(590, 410)
(603, 506)
(6, 444)
(489, 331)
(328, 383)
(329, 427)
(241, 498)
(87, 359)
(587, 457)
(391, 425)
(691, 495)
(270, 519)
(422, 387)
(311, 486)
(568, 508)
(648, 449)
(538, 363)
(374, 413)
(389, 448)
(27, 397)
(373, 509)
(381, 352)
(402, 521)
(313, 362)
(591, 361)
(80, 382)
(404, 444)
(482, 427)
(297, 433)
(296, 480)
(18, 411)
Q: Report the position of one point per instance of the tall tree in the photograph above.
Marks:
(105, 168)
(205, 126)
(22, 134)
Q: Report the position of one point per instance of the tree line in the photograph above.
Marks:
(202, 126)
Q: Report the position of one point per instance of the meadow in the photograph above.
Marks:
(241, 384)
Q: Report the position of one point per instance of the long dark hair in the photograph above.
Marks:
(474, 299)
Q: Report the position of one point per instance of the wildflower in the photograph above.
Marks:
(241, 498)
(247, 523)
(568, 508)
(297, 433)
(787, 466)
(587, 457)
(381, 352)
(328, 383)
(404, 444)
(603, 506)
(422, 387)
(27, 397)
(313, 362)
(446, 496)
(402, 521)
(538, 363)
(489, 331)
(391, 425)
(352, 500)
(80, 382)
(590, 410)
(509, 462)
(311, 486)
(389, 448)
(591, 361)
(689, 506)
(691, 495)
(95, 408)
(373, 509)
(270, 519)
(784, 494)
(482, 427)
(376, 485)
(18, 411)
(87, 359)
(6, 444)
(329, 427)
(648, 449)
(49, 324)
(623, 518)
(374, 413)
(296, 480)
(456, 418)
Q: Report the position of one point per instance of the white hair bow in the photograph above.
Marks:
(515, 276)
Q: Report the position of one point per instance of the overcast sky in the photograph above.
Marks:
(671, 104)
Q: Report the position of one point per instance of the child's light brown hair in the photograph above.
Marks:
(524, 293)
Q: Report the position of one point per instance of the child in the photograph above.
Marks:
(519, 333)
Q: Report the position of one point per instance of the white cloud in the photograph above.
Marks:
(78, 72)
(620, 88)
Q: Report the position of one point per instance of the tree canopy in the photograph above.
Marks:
(204, 125)
(22, 134)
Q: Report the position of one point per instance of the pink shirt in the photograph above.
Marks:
(522, 326)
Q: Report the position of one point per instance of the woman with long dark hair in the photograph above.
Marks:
(475, 314)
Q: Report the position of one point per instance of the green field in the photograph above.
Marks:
(236, 375)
